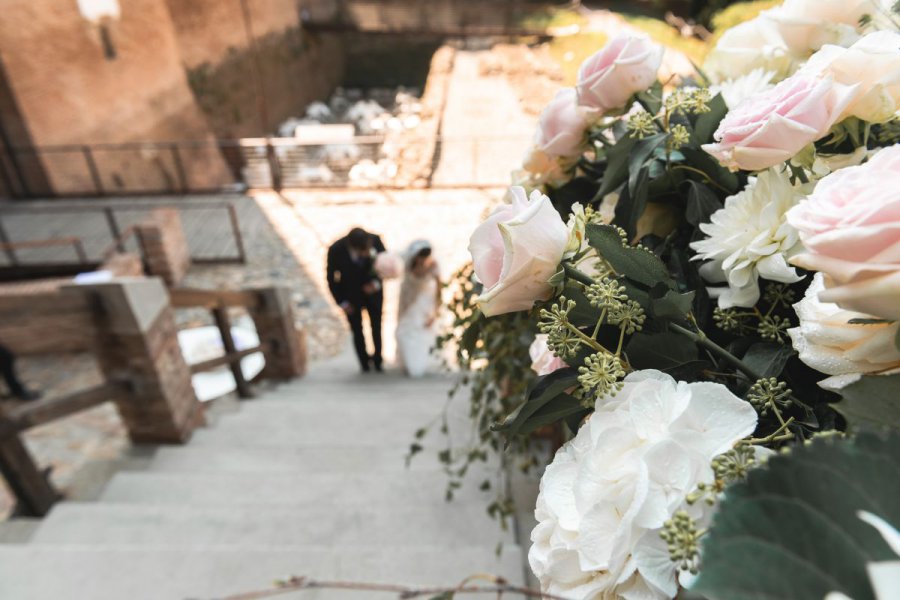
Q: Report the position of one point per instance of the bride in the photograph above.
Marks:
(420, 298)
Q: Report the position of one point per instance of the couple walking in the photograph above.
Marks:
(357, 265)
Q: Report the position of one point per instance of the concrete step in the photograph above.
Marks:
(389, 491)
(292, 459)
(124, 572)
(18, 530)
(454, 525)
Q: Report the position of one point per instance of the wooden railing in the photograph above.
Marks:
(10, 247)
(28, 483)
(132, 334)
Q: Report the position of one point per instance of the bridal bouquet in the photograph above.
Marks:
(713, 267)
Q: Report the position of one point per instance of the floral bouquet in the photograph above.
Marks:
(714, 269)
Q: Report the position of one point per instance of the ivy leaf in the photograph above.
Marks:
(791, 530)
(768, 358)
(638, 264)
(702, 202)
(872, 401)
(660, 351)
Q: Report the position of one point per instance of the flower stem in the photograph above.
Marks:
(577, 275)
(701, 340)
(599, 323)
(705, 176)
(772, 437)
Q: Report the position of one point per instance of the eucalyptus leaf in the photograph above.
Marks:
(699, 159)
(873, 400)
(791, 531)
(556, 410)
(642, 151)
(768, 358)
(672, 304)
(544, 390)
(632, 203)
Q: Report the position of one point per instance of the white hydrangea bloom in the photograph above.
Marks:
(749, 238)
(608, 492)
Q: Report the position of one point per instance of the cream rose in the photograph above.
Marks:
(829, 343)
(874, 63)
(807, 25)
(754, 44)
(516, 251)
(626, 65)
(562, 127)
(543, 361)
(771, 127)
(850, 227)
(539, 168)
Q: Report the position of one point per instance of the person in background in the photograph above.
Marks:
(356, 287)
(8, 370)
(420, 300)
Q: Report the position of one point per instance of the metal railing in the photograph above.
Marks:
(96, 232)
(174, 168)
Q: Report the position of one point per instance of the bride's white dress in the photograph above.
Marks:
(415, 337)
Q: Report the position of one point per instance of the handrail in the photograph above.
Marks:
(118, 244)
(59, 241)
(226, 359)
(35, 414)
(210, 299)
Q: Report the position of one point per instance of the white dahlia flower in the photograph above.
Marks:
(749, 238)
(734, 91)
(609, 491)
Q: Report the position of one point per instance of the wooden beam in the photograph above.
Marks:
(227, 359)
(34, 494)
(34, 414)
(220, 313)
(211, 299)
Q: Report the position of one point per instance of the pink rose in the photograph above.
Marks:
(516, 251)
(543, 361)
(626, 65)
(850, 226)
(561, 127)
(771, 127)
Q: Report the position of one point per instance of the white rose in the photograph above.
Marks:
(608, 492)
(829, 343)
(516, 251)
(754, 44)
(874, 63)
(540, 168)
(626, 65)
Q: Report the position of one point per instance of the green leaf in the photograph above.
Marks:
(767, 358)
(557, 409)
(699, 159)
(791, 530)
(660, 350)
(639, 155)
(639, 265)
(672, 305)
(874, 400)
(651, 99)
(617, 166)
(631, 204)
(544, 390)
(702, 202)
(707, 123)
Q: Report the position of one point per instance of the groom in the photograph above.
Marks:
(356, 287)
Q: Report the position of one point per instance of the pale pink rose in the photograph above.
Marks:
(850, 227)
(562, 128)
(540, 168)
(543, 361)
(626, 65)
(516, 251)
(770, 127)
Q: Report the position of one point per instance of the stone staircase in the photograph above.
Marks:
(309, 479)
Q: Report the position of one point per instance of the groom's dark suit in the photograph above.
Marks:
(349, 271)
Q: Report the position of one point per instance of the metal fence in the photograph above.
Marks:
(91, 170)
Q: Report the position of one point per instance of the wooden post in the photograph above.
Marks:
(35, 495)
(220, 314)
(274, 319)
(137, 342)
